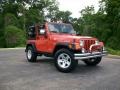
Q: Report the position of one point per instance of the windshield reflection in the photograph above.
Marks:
(61, 28)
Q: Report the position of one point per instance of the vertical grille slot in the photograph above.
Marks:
(88, 43)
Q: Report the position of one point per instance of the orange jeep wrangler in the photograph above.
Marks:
(59, 40)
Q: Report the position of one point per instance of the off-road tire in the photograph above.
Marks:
(33, 56)
(73, 63)
(95, 61)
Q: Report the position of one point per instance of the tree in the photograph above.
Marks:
(19, 14)
(10, 19)
(65, 16)
(112, 8)
(88, 20)
(2, 39)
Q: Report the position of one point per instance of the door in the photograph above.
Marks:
(42, 39)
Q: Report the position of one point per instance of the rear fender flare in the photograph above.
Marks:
(31, 45)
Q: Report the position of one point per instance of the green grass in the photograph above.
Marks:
(113, 52)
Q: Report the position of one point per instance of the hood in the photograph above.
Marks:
(68, 37)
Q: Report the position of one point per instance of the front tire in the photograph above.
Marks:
(93, 61)
(64, 61)
(30, 54)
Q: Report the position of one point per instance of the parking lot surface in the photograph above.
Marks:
(18, 74)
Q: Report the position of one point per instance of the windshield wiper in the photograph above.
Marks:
(67, 33)
(54, 31)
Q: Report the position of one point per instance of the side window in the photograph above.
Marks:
(31, 32)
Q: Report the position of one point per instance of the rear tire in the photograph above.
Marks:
(93, 61)
(64, 61)
(30, 54)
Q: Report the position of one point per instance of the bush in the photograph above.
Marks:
(113, 52)
(113, 43)
(14, 36)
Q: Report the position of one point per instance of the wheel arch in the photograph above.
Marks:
(61, 46)
(31, 45)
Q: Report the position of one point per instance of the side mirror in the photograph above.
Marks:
(42, 31)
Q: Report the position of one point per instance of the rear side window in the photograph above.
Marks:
(31, 32)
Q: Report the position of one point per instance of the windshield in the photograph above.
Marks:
(61, 28)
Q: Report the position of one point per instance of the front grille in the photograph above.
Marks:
(88, 43)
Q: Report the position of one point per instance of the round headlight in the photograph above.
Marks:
(81, 43)
(96, 42)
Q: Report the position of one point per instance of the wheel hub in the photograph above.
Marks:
(64, 60)
(29, 54)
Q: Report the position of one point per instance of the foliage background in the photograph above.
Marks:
(17, 15)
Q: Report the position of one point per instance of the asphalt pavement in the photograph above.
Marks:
(18, 74)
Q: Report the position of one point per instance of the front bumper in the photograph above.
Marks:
(83, 56)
